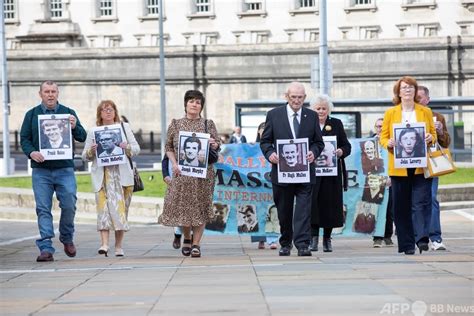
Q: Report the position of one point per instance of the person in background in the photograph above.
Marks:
(411, 191)
(327, 210)
(51, 176)
(387, 237)
(271, 240)
(443, 140)
(237, 137)
(293, 200)
(165, 171)
(188, 200)
(113, 185)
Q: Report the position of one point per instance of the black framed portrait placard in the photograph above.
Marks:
(292, 164)
(410, 145)
(108, 139)
(193, 153)
(55, 141)
(326, 162)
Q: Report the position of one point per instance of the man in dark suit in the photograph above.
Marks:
(289, 122)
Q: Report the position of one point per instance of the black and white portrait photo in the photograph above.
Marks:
(365, 217)
(108, 139)
(193, 153)
(55, 136)
(221, 213)
(247, 221)
(272, 225)
(374, 188)
(370, 157)
(410, 145)
(292, 164)
(326, 162)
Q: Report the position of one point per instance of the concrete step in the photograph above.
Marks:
(23, 198)
(458, 205)
(456, 192)
(29, 214)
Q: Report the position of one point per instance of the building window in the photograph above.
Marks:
(152, 7)
(403, 29)
(209, 38)
(151, 10)
(409, 4)
(465, 27)
(252, 7)
(304, 6)
(360, 5)
(105, 11)
(311, 35)
(201, 9)
(369, 32)
(203, 6)
(106, 8)
(428, 30)
(260, 37)
(307, 3)
(9, 9)
(468, 4)
(56, 9)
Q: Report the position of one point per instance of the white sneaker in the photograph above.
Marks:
(437, 246)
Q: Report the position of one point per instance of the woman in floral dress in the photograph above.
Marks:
(113, 185)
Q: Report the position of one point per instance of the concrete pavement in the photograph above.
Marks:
(234, 278)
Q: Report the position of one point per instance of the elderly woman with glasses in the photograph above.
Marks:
(113, 185)
(411, 191)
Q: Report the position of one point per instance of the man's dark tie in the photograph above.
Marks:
(296, 124)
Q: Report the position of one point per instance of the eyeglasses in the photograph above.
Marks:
(108, 110)
(378, 126)
(407, 88)
(105, 140)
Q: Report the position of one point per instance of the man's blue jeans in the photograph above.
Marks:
(435, 227)
(45, 183)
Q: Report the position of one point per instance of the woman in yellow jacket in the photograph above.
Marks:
(411, 191)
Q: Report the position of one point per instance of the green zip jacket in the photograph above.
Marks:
(29, 136)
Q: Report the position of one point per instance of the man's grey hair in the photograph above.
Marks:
(425, 89)
(322, 99)
(47, 82)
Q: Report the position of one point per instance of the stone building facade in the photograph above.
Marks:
(233, 50)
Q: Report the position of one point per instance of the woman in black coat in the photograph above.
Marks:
(327, 204)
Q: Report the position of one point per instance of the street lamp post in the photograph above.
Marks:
(323, 49)
(6, 110)
(162, 82)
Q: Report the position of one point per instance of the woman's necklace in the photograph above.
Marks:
(408, 116)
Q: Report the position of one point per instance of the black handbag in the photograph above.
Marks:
(137, 181)
(213, 155)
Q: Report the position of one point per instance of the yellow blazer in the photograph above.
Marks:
(393, 116)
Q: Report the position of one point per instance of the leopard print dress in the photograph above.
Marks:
(188, 200)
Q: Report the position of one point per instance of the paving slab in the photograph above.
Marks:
(233, 277)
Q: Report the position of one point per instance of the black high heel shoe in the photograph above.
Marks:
(422, 246)
(186, 250)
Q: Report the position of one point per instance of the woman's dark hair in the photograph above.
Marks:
(194, 94)
(419, 149)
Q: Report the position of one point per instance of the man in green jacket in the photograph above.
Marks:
(51, 176)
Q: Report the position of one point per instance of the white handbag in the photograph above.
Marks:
(439, 162)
